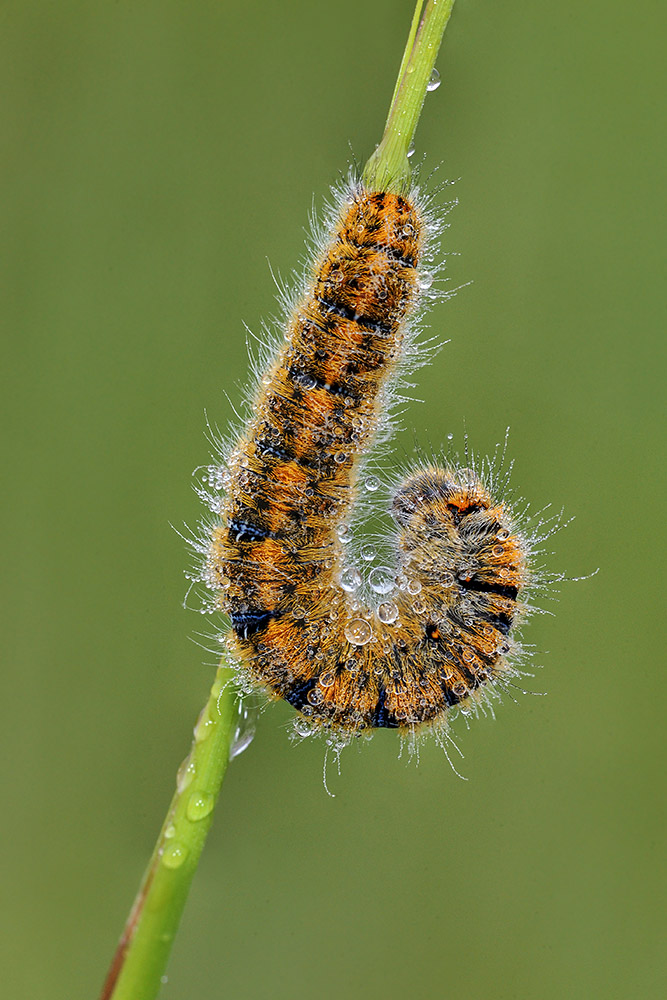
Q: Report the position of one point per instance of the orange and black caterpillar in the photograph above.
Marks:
(433, 632)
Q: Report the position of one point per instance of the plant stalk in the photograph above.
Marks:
(388, 169)
(141, 957)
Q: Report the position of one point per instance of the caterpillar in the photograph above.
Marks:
(425, 637)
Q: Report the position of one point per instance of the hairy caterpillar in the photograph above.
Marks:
(427, 635)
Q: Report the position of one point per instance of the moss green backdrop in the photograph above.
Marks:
(156, 154)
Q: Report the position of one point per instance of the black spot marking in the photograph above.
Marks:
(297, 693)
(451, 697)
(270, 450)
(472, 508)
(499, 620)
(459, 513)
(382, 718)
(265, 447)
(365, 322)
(392, 253)
(244, 531)
(248, 623)
(307, 379)
(432, 632)
(482, 587)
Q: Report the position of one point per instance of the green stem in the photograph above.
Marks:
(389, 168)
(141, 958)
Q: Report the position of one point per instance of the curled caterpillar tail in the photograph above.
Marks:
(435, 628)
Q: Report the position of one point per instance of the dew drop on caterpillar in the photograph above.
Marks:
(430, 633)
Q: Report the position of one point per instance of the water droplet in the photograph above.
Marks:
(358, 632)
(340, 457)
(327, 678)
(497, 550)
(344, 532)
(503, 534)
(308, 381)
(381, 579)
(302, 727)
(388, 612)
(418, 607)
(200, 805)
(450, 437)
(174, 854)
(368, 553)
(425, 280)
(185, 774)
(414, 587)
(350, 579)
(447, 579)
(204, 725)
(170, 832)
(245, 726)
(411, 150)
(434, 81)
(372, 484)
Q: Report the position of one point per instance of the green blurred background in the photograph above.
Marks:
(156, 154)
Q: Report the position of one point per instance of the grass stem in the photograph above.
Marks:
(389, 168)
(141, 957)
